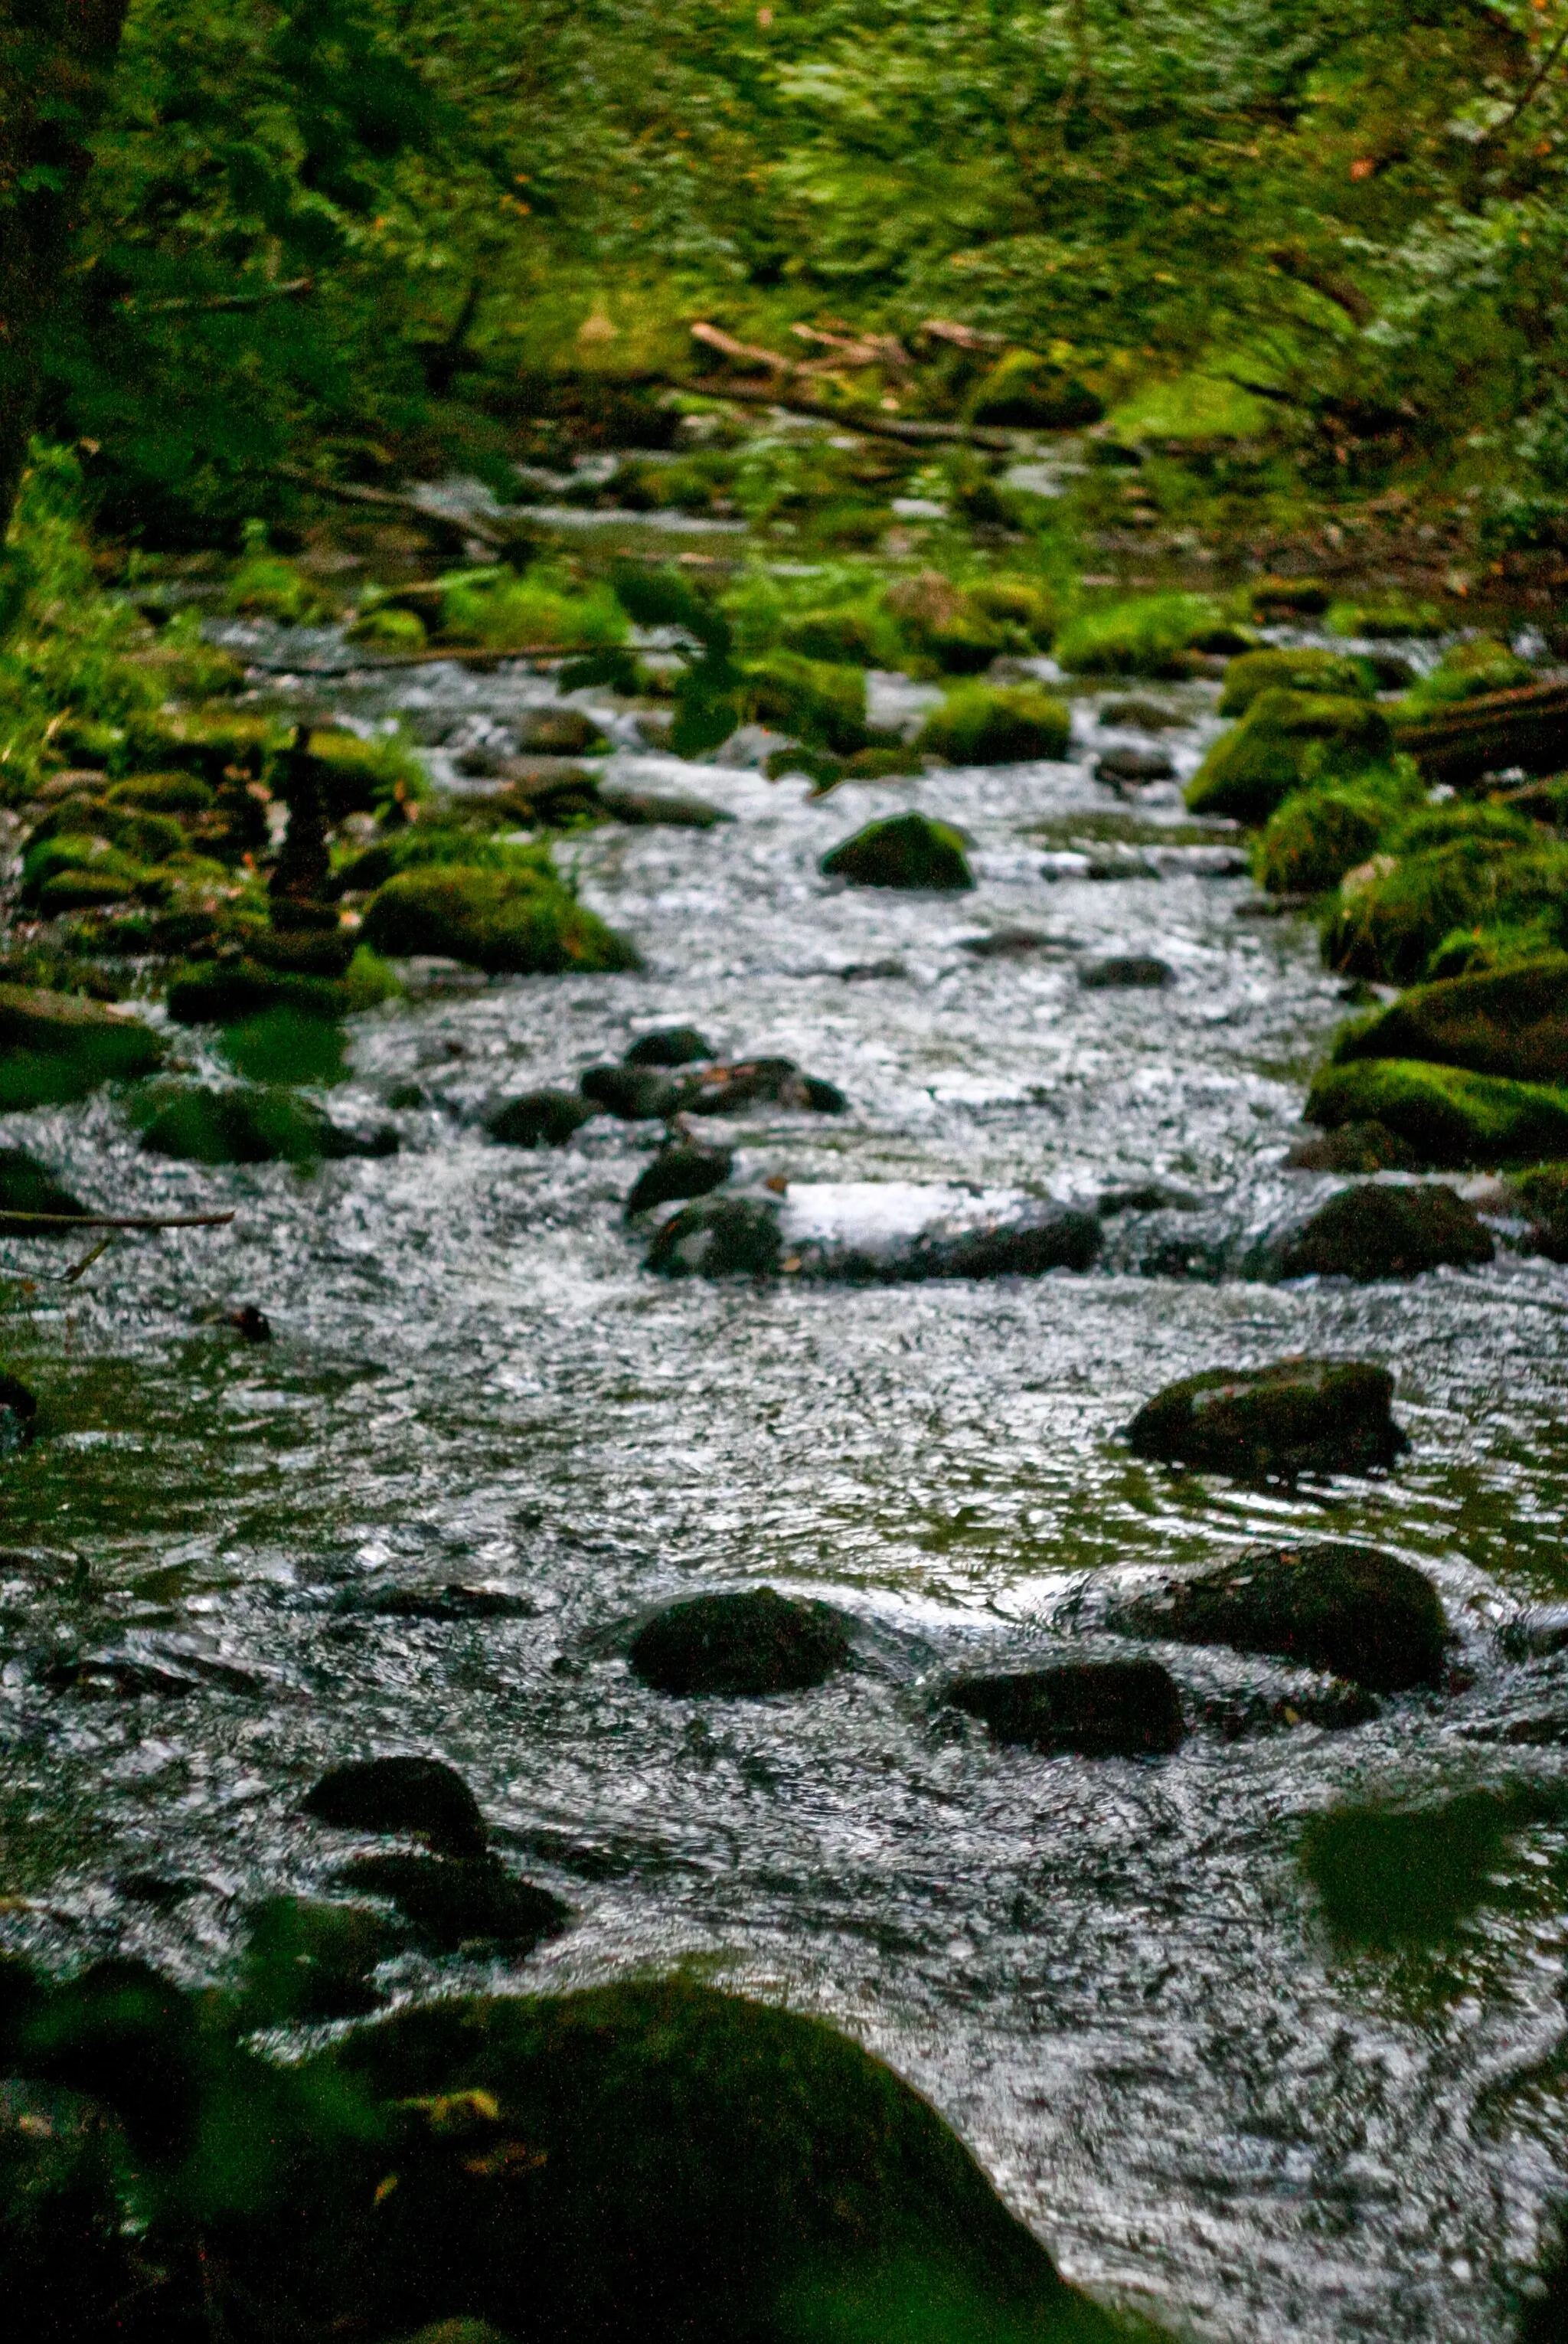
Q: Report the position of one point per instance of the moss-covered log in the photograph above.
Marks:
(1527, 727)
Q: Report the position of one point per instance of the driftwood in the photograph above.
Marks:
(883, 350)
(1527, 727)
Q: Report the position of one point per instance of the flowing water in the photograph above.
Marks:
(1112, 1977)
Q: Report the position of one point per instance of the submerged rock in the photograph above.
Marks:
(55, 1048)
(876, 1232)
(669, 1045)
(1102, 1709)
(457, 1901)
(539, 1119)
(418, 1795)
(1012, 943)
(678, 1173)
(1127, 971)
(1274, 1423)
(1447, 1115)
(1512, 1022)
(199, 1124)
(659, 809)
(557, 733)
(27, 1187)
(759, 1642)
(751, 1082)
(636, 1094)
(451, 1605)
(1380, 1230)
(1322, 1604)
(907, 850)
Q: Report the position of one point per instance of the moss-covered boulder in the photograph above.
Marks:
(310, 1958)
(997, 724)
(1392, 1875)
(1273, 1423)
(1322, 1604)
(669, 1045)
(1448, 1116)
(1254, 672)
(853, 635)
(1509, 1021)
(225, 992)
(1469, 672)
(947, 627)
(815, 700)
(1102, 1709)
(1125, 972)
(907, 850)
(28, 1188)
(1384, 1231)
(636, 1094)
(54, 1047)
(1543, 1192)
(1148, 634)
(1394, 913)
(759, 1642)
(1310, 841)
(422, 1798)
(199, 1123)
(539, 1119)
(678, 1173)
(505, 921)
(1285, 740)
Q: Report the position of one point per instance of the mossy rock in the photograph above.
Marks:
(1285, 740)
(539, 1119)
(907, 850)
(1468, 672)
(1542, 1190)
(669, 1045)
(1273, 1423)
(815, 700)
(1390, 1875)
(264, 586)
(1151, 634)
(1019, 602)
(1101, 1709)
(997, 724)
(947, 627)
(1333, 673)
(636, 1094)
(1310, 841)
(718, 1236)
(740, 1645)
(27, 1187)
(218, 744)
(423, 1798)
(1393, 620)
(389, 630)
(1024, 392)
(1381, 1231)
(852, 636)
(55, 1048)
(1303, 598)
(199, 1124)
(1321, 1605)
(1511, 1021)
(1449, 1117)
(677, 1175)
(164, 793)
(511, 921)
(458, 1902)
(1394, 915)
(74, 873)
(222, 993)
(309, 1959)
(1353, 1149)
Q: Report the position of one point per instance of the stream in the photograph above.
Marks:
(1111, 1976)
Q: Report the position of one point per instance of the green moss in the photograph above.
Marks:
(513, 920)
(819, 703)
(496, 608)
(265, 586)
(280, 1046)
(392, 630)
(1151, 636)
(1392, 919)
(1285, 740)
(1511, 1021)
(908, 850)
(1391, 619)
(852, 636)
(1465, 672)
(1020, 602)
(997, 724)
(1026, 392)
(162, 793)
(1310, 841)
(1332, 672)
(946, 627)
(360, 776)
(1449, 1117)
(199, 1124)
(54, 1047)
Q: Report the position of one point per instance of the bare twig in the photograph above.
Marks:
(117, 1220)
(1535, 83)
(297, 289)
(78, 1269)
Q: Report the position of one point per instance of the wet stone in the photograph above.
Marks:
(1127, 971)
(1101, 1709)
(539, 1119)
(677, 1174)
(557, 733)
(1353, 1148)
(1378, 1231)
(753, 1082)
(421, 1796)
(1324, 1605)
(759, 1642)
(1136, 767)
(669, 1045)
(636, 1094)
(310, 1959)
(1273, 1423)
(451, 1605)
(457, 1901)
(1141, 715)
(718, 1236)
(1147, 1196)
(1014, 943)
(907, 850)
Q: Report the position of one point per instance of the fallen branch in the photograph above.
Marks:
(392, 501)
(861, 350)
(877, 427)
(962, 337)
(297, 289)
(117, 1220)
(465, 656)
(1527, 727)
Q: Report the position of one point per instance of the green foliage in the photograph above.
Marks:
(818, 703)
(1397, 917)
(1465, 671)
(264, 586)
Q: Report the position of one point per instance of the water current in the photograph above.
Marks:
(1111, 1976)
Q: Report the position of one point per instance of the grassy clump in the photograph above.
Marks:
(1285, 740)
(1253, 672)
(1150, 635)
(1393, 620)
(1404, 909)
(1026, 392)
(511, 917)
(997, 724)
(496, 608)
(1449, 1117)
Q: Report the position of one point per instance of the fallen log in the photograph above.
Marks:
(1527, 728)
(852, 419)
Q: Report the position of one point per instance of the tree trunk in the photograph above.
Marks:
(56, 60)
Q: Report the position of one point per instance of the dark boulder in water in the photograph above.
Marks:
(27, 1187)
(248, 1124)
(670, 1045)
(418, 1795)
(539, 1119)
(450, 1606)
(681, 1172)
(1273, 1423)
(731, 1088)
(457, 1901)
(1377, 1231)
(907, 850)
(1137, 766)
(311, 1958)
(1354, 1148)
(1324, 1605)
(636, 1094)
(759, 1642)
(557, 733)
(718, 1236)
(1102, 1709)
(1126, 970)
(874, 1232)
